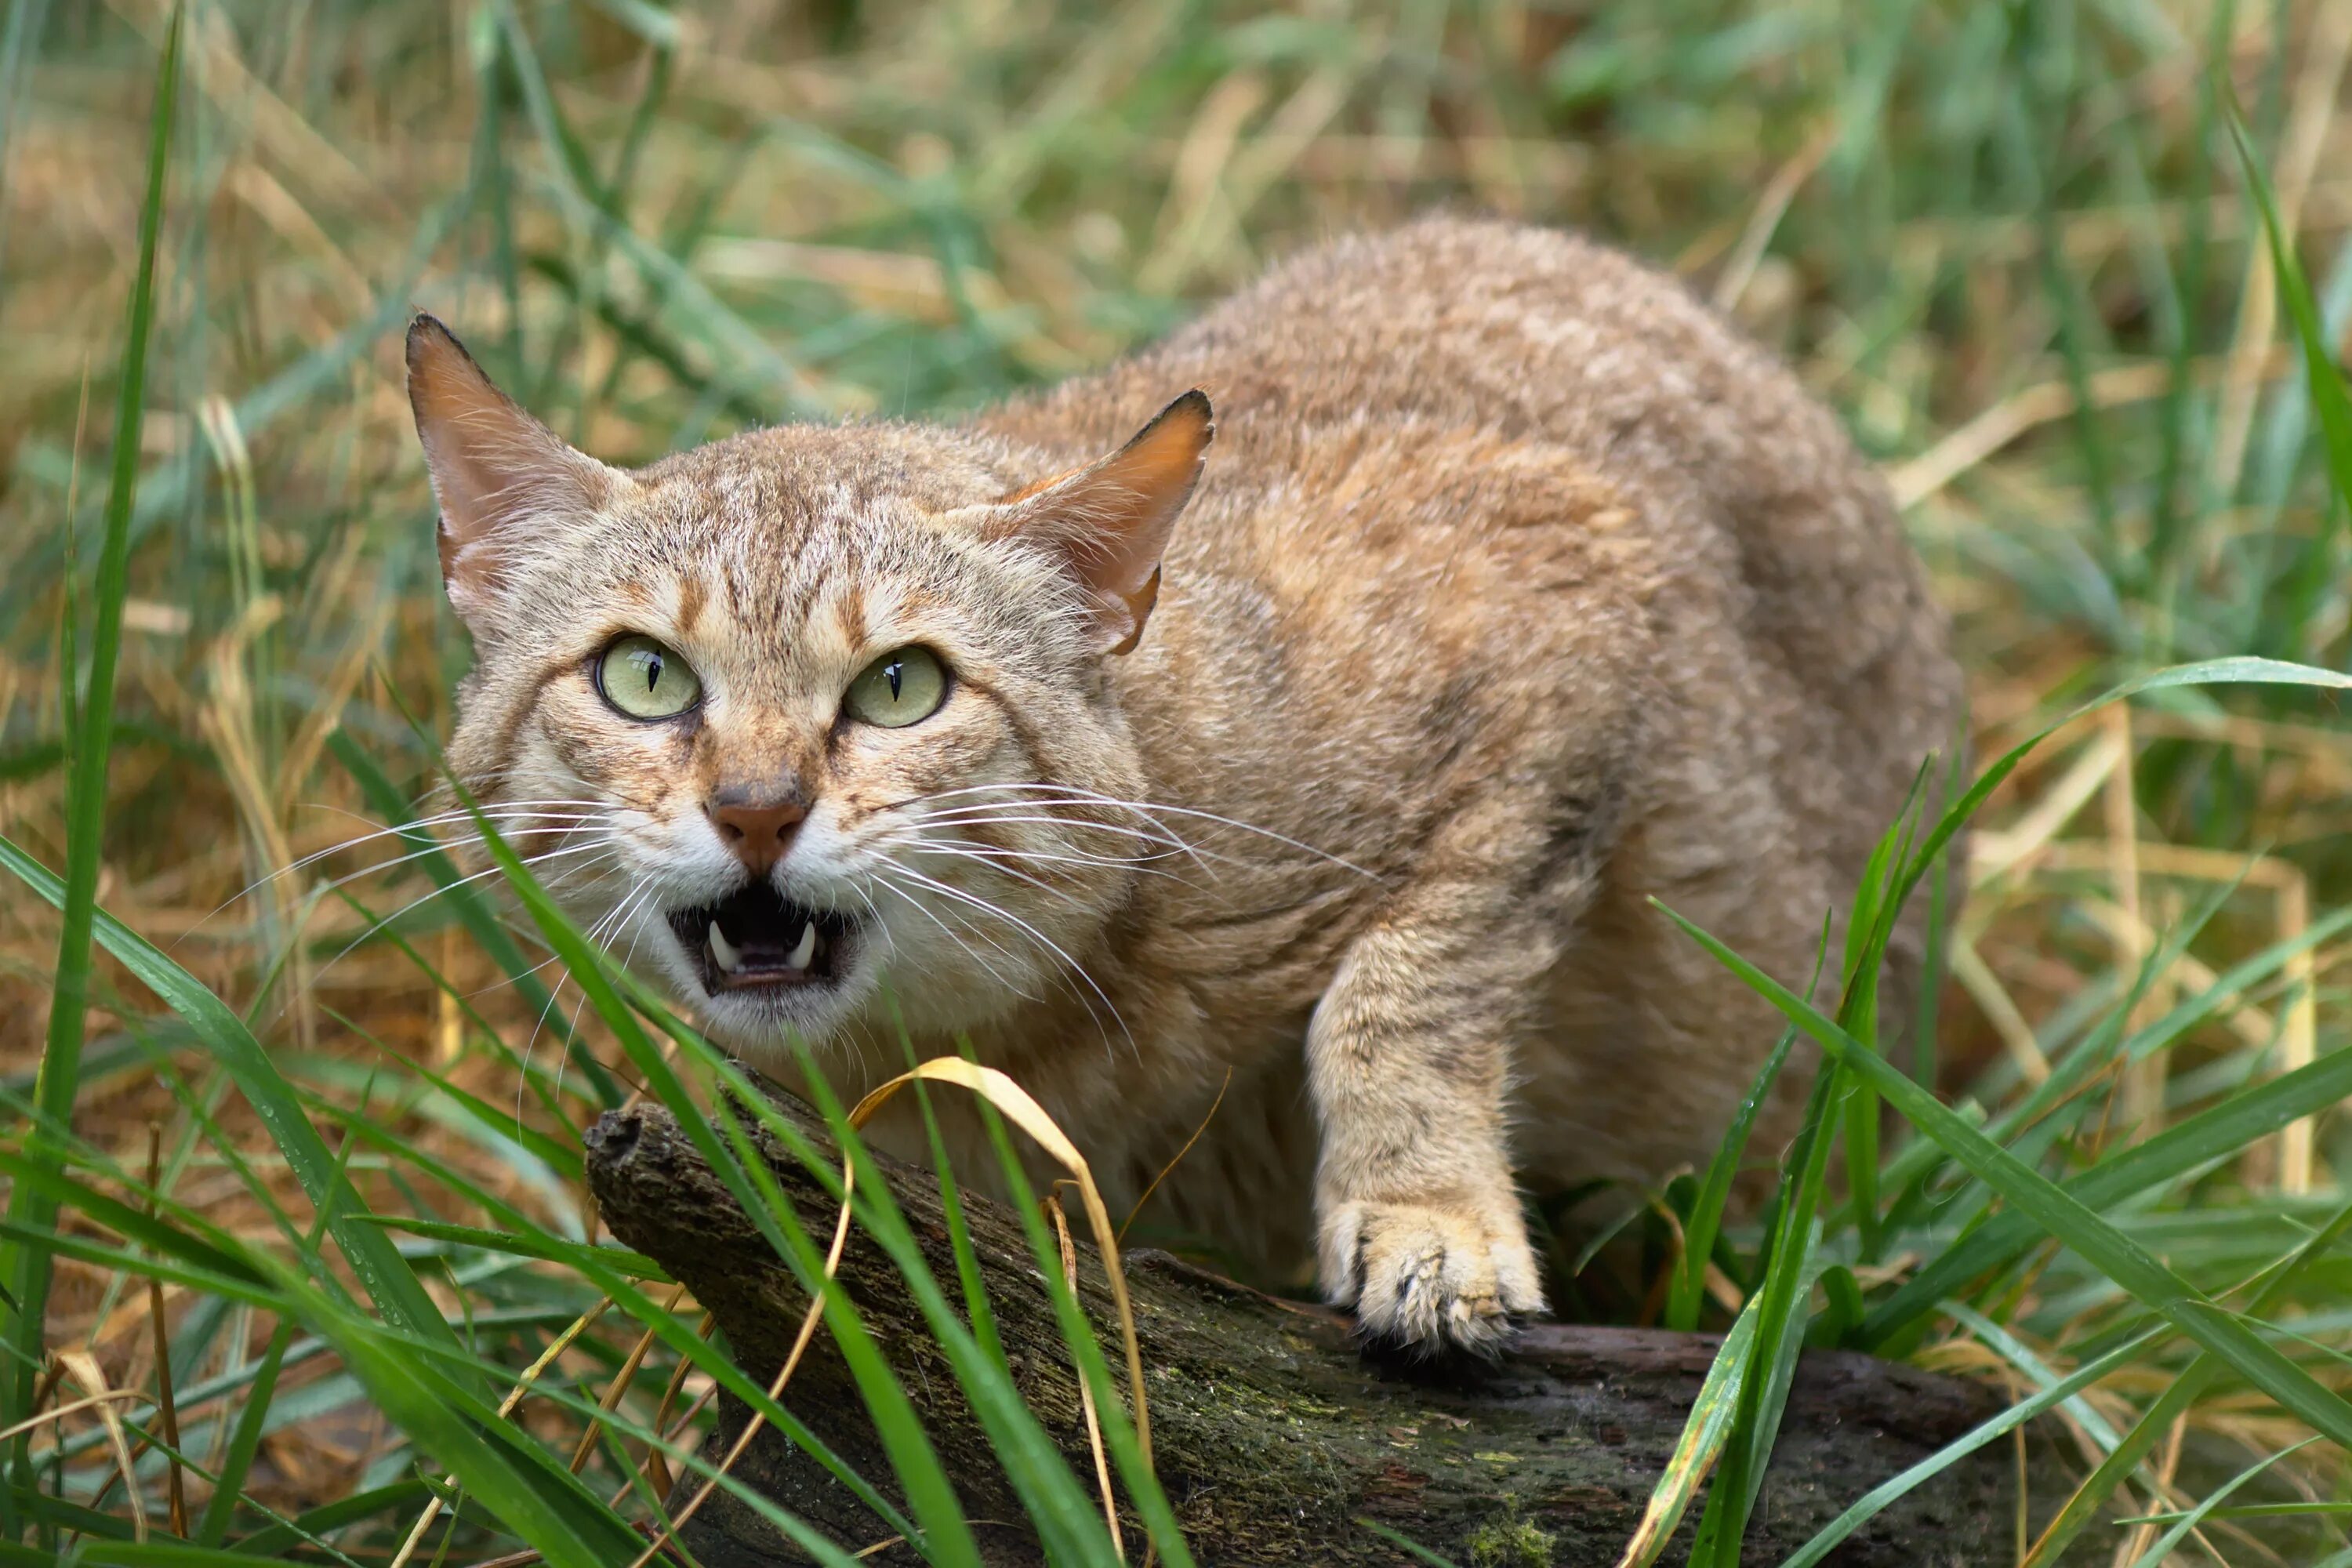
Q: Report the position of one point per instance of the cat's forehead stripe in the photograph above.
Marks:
(849, 613)
(510, 734)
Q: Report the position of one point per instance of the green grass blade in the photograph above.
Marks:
(930, 1495)
(1876, 1501)
(129, 1223)
(2122, 1260)
(1701, 1442)
(2185, 1389)
(2211, 1134)
(1049, 1493)
(584, 1404)
(1144, 1488)
(977, 1311)
(607, 1270)
(473, 911)
(1920, 1161)
(278, 1538)
(244, 1437)
(518, 1480)
(2021, 1356)
(2329, 398)
(1763, 1391)
(381, 1271)
(526, 1244)
(1406, 1545)
(85, 796)
(2160, 1551)
(1685, 1295)
(100, 1553)
(2249, 671)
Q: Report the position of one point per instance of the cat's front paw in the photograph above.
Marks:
(1429, 1278)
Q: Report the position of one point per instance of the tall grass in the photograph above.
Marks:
(2076, 272)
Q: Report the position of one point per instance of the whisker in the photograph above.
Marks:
(991, 857)
(1008, 812)
(563, 1055)
(413, 831)
(1067, 857)
(1011, 812)
(1040, 937)
(934, 846)
(931, 915)
(618, 917)
(492, 870)
(381, 866)
(1078, 795)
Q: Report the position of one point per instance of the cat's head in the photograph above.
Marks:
(811, 715)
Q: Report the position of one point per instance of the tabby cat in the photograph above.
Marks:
(1322, 752)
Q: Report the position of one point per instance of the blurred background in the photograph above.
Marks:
(2016, 245)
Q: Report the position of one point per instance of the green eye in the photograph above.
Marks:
(647, 680)
(900, 688)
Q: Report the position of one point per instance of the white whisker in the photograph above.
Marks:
(1060, 856)
(491, 870)
(1055, 948)
(563, 1058)
(933, 916)
(1075, 794)
(414, 832)
(954, 851)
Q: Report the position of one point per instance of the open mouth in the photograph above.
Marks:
(759, 938)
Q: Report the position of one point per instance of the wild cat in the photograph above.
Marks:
(1329, 767)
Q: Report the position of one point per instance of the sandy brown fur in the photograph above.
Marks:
(1515, 591)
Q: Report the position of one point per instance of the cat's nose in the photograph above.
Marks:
(757, 827)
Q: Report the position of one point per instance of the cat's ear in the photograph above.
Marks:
(504, 480)
(1110, 521)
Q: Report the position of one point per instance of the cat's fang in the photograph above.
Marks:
(755, 939)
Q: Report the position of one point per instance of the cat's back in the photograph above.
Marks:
(1746, 485)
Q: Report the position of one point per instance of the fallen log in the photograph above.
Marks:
(1274, 1436)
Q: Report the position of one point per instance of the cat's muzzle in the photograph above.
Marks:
(757, 937)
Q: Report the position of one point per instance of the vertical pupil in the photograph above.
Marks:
(653, 670)
(891, 669)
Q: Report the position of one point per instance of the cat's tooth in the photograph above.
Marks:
(722, 952)
(804, 951)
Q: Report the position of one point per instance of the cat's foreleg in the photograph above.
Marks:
(1418, 1220)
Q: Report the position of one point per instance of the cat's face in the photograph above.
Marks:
(810, 718)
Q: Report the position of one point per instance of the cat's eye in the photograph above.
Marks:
(645, 680)
(903, 685)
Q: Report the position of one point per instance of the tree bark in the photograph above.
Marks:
(1274, 1436)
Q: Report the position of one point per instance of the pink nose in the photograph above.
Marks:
(759, 831)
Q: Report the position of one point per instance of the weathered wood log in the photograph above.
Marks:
(1274, 1435)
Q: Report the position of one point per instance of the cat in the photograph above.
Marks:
(1313, 753)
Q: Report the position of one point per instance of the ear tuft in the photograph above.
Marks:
(501, 476)
(1110, 521)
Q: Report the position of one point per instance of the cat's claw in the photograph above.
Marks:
(1429, 1278)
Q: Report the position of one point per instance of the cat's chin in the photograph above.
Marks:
(768, 1028)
